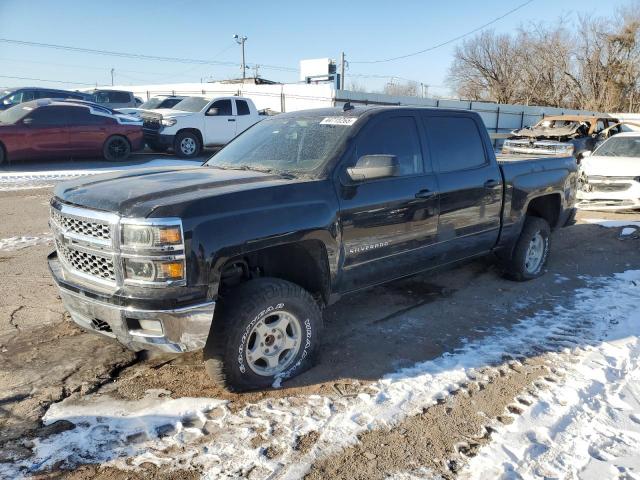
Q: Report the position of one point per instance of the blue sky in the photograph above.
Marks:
(280, 34)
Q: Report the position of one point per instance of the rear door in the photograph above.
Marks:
(47, 131)
(388, 225)
(88, 132)
(243, 118)
(470, 184)
(220, 124)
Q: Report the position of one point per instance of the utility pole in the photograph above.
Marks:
(342, 71)
(240, 41)
(112, 71)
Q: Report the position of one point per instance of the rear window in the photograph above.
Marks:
(243, 107)
(455, 143)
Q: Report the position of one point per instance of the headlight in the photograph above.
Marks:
(152, 251)
(163, 237)
(143, 270)
(565, 149)
(168, 122)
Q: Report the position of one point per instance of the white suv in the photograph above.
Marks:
(198, 122)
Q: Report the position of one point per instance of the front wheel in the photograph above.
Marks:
(116, 149)
(187, 145)
(266, 330)
(531, 251)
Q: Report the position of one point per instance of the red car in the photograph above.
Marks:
(67, 128)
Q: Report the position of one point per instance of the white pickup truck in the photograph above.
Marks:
(198, 122)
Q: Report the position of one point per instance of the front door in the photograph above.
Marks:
(388, 224)
(220, 123)
(470, 183)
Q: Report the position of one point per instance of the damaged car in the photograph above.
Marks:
(562, 135)
(610, 177)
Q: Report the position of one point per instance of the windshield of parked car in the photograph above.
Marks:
(14, 114)
(192, 104)
(620, 147)
(291, 144)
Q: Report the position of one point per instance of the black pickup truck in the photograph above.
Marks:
(238, 256)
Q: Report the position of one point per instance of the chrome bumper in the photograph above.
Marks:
(175, 331)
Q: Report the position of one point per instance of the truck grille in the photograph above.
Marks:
(88, 263)
(86, 242)
(86, 228)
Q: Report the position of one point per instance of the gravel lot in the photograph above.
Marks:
(45, 360)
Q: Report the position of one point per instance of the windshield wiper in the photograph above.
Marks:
(281, 173)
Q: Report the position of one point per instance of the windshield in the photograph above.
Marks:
(619, 147)
(556, 124)
(284, 144)
(192, 104)
(14, 114)
(152, 103)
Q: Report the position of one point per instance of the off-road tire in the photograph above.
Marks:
(116, 149)
(236, 315)
(189, 138)
(516, 267)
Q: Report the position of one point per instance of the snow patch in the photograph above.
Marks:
(613, 223)
(207, 435)
(18, 243)
(588, 425)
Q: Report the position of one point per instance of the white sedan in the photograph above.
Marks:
(611, 175)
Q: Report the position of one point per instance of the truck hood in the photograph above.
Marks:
(611, 166)
(138, 192)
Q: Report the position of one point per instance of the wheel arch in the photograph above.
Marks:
(196, 131)
(547, 207)
(304, 262)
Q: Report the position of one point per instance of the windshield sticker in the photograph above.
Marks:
(346, 121)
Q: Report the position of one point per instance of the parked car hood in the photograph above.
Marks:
(611, 166)
(138, 192)
(543, 132)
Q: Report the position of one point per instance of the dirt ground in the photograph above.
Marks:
(44, 358)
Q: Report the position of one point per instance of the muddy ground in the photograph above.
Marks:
(45, 359)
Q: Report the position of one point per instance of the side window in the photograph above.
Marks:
(243, 107)
(455, 143)
(119, 97)
(83, 116)
(49, 116)
(394, 136)
(600, 126)
(223, 106)
(29, 95)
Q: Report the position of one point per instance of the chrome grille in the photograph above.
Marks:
(78, 226)
(610, 187)
(88, 263)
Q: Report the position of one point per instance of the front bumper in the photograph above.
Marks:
(610, 195)
(175, 330)
(157, 139)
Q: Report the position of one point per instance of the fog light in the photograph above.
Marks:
(153, 326)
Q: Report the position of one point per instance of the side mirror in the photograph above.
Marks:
(370, 167)
(212, 112)
(27, 121)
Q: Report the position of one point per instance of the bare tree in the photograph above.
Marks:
(356, 86)
(592, 64)
(406, 89)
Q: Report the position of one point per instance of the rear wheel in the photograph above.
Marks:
(187, 145)
(266, 329)
(531, 251)
(116, 149)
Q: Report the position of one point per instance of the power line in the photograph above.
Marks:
(137, 56)
(459, 37)
(44, 80)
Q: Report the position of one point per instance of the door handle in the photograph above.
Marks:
(231, 119)
(491, 183)
(424, 194)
